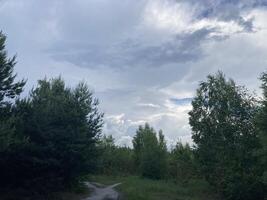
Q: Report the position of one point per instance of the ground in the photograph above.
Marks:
(131, 188)
(136, 188)
(78, 193)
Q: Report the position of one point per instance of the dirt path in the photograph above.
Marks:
(101, 192)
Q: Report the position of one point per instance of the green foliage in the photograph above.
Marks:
(51, 138)
(150, 152)
(222, 121)
(262, 128)
(62, 126)
(182, 166)
(138, 188)
(115, 160)
(9, 89)
(9, 138)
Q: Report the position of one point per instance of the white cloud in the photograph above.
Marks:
(181, 17)
(150, 105)
(167, 15)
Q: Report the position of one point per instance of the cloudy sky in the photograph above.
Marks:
(142, 58)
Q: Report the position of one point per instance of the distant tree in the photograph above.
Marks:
(262, 127)
(181, 163)
(107, 141)
(223, 129)
(162, 154)
(107, 158)
(150, 152)
(115, 160)
(62, 126)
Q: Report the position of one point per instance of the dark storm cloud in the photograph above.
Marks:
(180, 48)
(224, 9)
(104, 37)
(228, 10)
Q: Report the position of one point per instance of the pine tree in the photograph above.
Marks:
(150, 152)
(181, 163)
(62, 125)
(9, 88)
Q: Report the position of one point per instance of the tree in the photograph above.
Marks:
(115, 160)
(223, 129)
(262, 127)
(9, 89)
(150, 152)
(107, 149)
(181, 163)
(162, 154)
(62, 126)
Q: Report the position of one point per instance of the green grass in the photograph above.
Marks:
(76, 192)
(136, 188)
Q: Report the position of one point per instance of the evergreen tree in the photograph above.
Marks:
(163, 153)
(181, 163)
(150, 152)
(62, 126)
(223, 129)
(9, 90)
(115, 160)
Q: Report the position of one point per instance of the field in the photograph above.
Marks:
(136, 188)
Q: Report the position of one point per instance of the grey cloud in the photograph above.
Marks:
(181, 101)
(226, 10)
(128, 63)
(179, 49)
(105, 36)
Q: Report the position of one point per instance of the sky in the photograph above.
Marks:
(142, 59)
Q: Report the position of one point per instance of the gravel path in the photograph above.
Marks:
(101, 192)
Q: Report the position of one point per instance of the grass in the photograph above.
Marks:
(136, 188)
(132, 188)
(77, 192)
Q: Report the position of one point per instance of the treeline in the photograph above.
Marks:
(229, 130)
(149, 157)
(52, 138)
